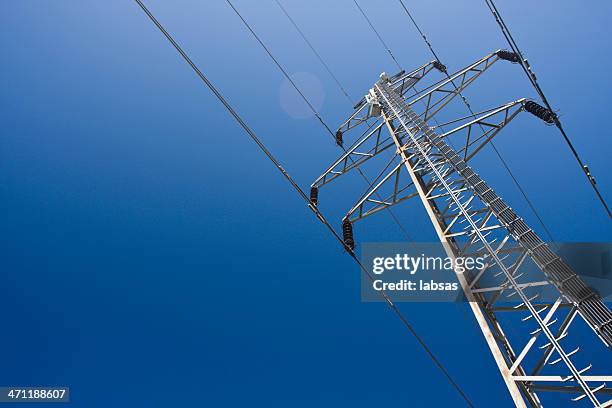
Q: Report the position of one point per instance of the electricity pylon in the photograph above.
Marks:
(470, 219)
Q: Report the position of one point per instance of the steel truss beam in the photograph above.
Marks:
(439, 95)
(494, 120)
(401, 191)
(371, 143)
(402, 82)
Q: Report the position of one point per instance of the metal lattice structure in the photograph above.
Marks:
(470, 219)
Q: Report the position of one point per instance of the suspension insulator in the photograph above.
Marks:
(314, 196)
(541, 112)
(589, 175)
(439, 66)
(347, 234)
(508, 56)
(339, 138)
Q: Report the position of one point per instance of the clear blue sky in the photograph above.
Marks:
(153, 257)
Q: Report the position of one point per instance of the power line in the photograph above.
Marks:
(495, 149)
(312, 48)
(419, 30)
(287, 76)
(532, 78)
(323, 123)
(301, 193)
(377, 34)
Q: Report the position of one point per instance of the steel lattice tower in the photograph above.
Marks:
(470, 219)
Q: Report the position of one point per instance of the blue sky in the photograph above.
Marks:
(153, 257)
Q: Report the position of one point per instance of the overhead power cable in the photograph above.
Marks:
(533, 79)
(419, 30)
(285, 73)
(301, 193)
(312, 108)
(377, 34)
(313, 49)
(495, 149)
